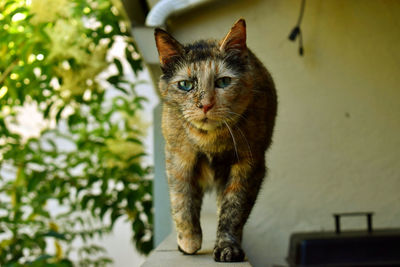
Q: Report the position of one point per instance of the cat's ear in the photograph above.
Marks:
(236, 38)
(167, 46)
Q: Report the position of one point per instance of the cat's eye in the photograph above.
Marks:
(185, 85)
(223, 82)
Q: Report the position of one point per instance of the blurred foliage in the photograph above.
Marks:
(70, 183)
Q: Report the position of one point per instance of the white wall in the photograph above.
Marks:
(337, 140)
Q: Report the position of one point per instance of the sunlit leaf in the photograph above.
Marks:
(55, 235)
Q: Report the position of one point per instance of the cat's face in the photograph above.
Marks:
(206, 81)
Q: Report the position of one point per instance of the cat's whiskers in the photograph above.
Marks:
(187, 116)
(233, 139)
(248, 145)
(237, 114)
(238, 128)
(190, 116)
(258, 91)
(233, 117)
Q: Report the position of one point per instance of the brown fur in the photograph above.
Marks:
(215, 137)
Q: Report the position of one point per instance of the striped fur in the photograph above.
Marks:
(222, 146)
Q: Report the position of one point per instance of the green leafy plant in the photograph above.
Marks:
(83, 169)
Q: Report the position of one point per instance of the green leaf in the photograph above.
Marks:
(134, 157)
(136, 65)
(55, 234)
(47, 110)
(58, 116)
(103, 211)
(85, 201)
(147, 246)
(134, 140)
(114, 79)
(138, 227)
(122, 89)
(41, 258)
(35, 180)
(65, 263)
(118, 64)
(52, 144)
(115, 214)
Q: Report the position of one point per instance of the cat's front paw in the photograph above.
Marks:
(189, 243)
(228, 252)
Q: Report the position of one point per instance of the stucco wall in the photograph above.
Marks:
(337, 140)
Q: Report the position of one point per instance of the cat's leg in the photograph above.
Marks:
(236, 200)
(185, 207)
(186, 199)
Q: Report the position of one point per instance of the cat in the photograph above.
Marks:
(219, 109)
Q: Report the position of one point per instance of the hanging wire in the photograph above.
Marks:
(303, 3)
(297, 31)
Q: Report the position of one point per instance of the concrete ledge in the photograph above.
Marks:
(167, 254)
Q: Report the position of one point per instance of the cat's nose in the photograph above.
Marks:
(206, 107)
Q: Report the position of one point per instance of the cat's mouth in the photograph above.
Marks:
(206, 124)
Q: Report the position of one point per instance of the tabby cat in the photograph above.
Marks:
(219, 108)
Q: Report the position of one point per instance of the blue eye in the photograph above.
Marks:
(223, 82)
(185, 85)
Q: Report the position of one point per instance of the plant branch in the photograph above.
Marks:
(8, 70)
